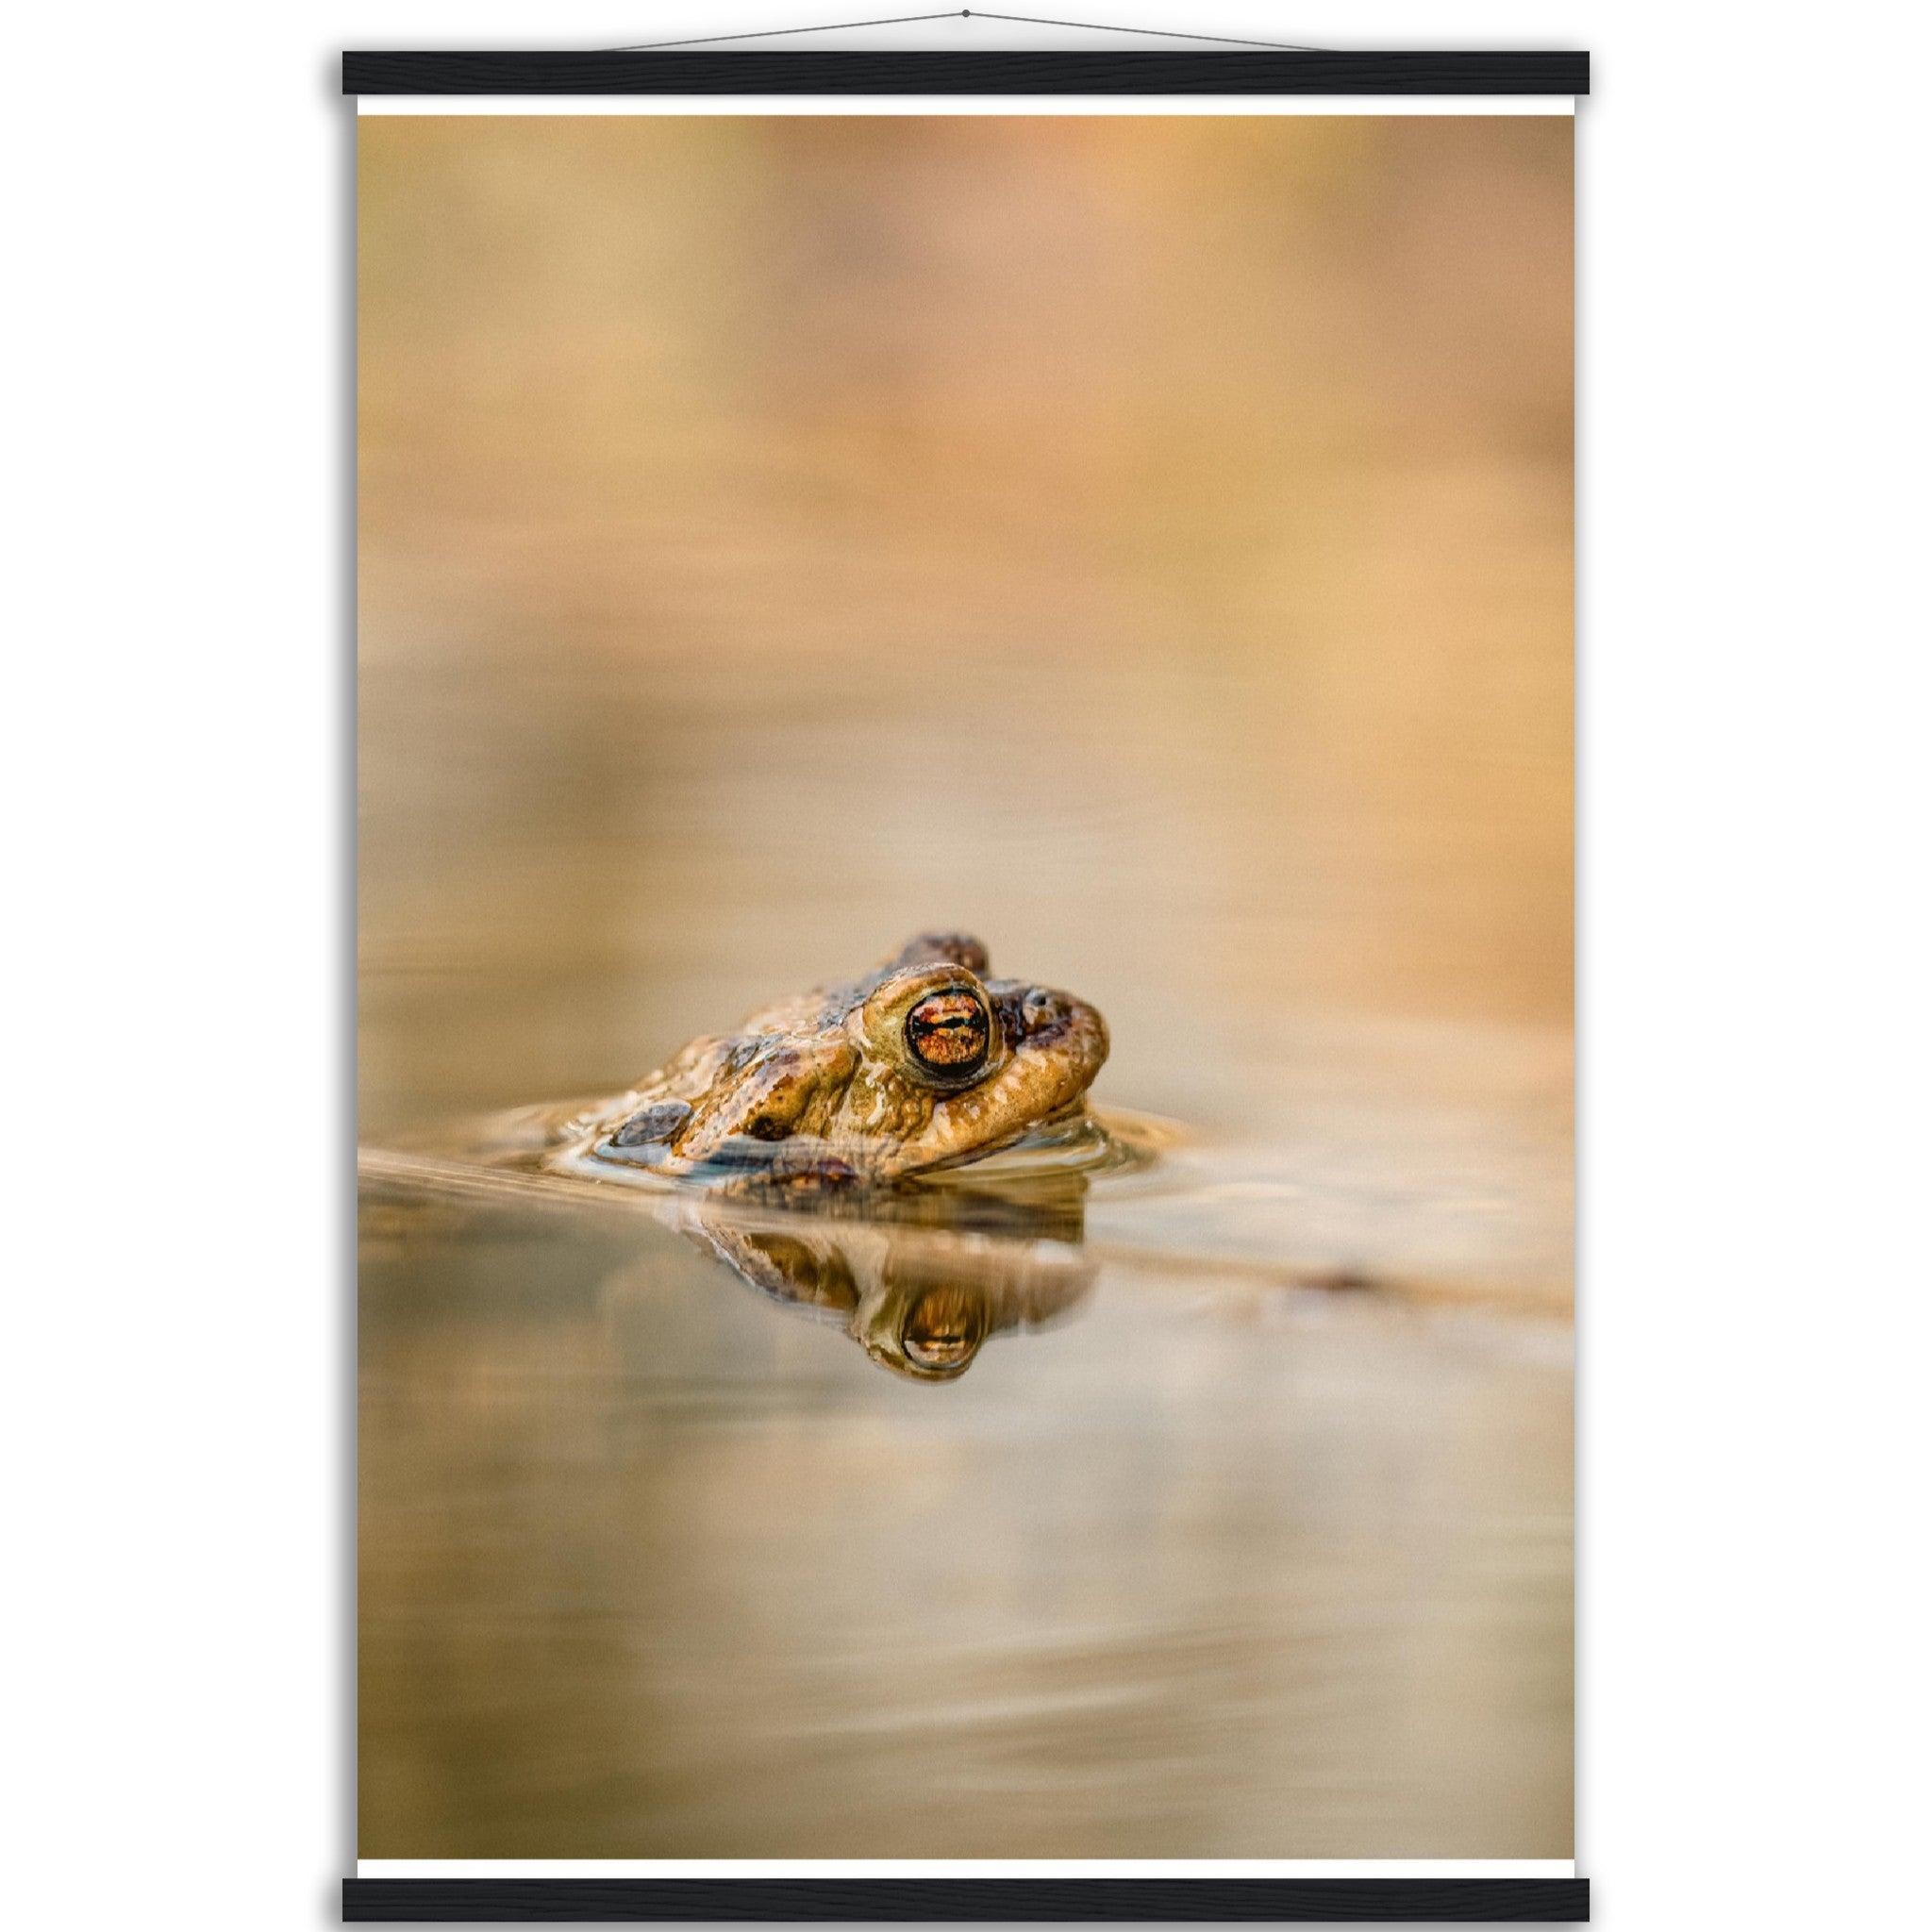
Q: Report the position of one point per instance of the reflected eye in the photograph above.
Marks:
(944, 1328)
(948, 1032)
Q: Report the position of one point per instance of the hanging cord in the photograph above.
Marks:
(1097, 27)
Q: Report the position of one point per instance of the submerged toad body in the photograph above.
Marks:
(924, 1062)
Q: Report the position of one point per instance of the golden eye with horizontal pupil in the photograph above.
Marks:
(944, 1328)
(948, 1032)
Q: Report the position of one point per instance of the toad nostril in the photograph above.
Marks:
(1041, 1010)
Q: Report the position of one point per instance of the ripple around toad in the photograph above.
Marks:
(1147, 1191)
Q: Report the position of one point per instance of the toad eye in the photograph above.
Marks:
(948, 1032)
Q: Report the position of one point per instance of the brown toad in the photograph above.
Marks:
(923, 1063)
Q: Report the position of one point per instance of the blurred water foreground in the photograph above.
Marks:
(1146, 543)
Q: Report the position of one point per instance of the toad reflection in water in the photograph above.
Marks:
(920, 1300)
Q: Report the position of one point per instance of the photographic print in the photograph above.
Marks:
(965, 897)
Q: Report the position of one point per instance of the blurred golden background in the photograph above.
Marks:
(1145, 541)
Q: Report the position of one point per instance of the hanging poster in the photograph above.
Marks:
(965, 924)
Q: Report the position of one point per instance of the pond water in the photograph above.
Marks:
(1145, 544)
(660, 1560)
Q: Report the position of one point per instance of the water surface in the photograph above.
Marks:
(1189, 1562)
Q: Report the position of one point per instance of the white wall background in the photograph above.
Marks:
(1754, 969)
